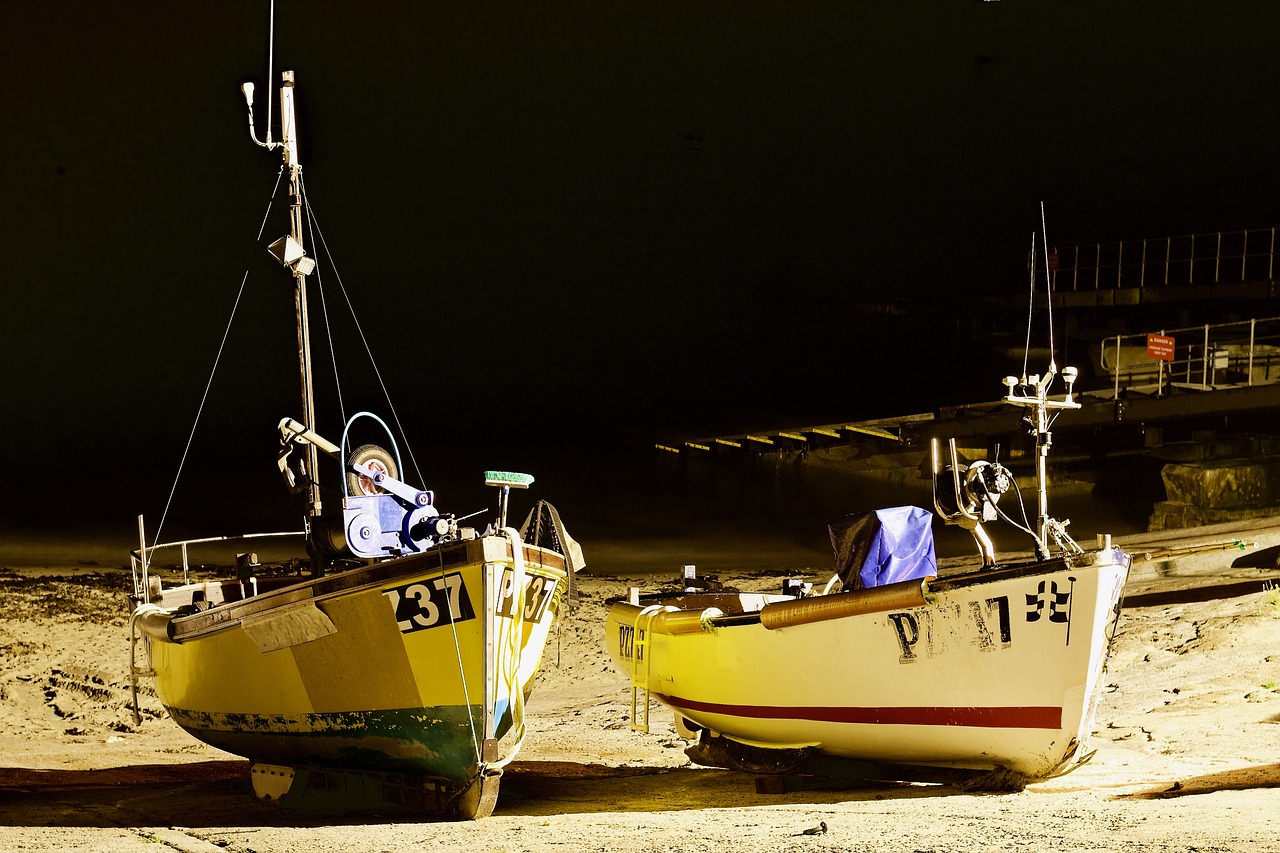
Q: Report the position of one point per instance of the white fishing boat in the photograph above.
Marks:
(892, 672)
(388, 664)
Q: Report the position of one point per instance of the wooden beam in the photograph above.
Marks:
(878, 433)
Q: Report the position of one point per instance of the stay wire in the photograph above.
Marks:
(318, 236)
(1048, 287)
(324, 310)
(217, 359)
(462, 671)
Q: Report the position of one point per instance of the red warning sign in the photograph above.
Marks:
(1160, 346)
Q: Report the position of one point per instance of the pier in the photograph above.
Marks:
(1209, 372)
(1201, 399)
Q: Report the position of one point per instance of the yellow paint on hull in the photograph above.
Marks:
(424, 670)
(1000, 670)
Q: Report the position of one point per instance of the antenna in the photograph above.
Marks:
(270, 58)
(247, 87)
(1048, 289)
(1031, 309)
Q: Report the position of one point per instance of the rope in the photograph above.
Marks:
(515, 632)
(217, 359)
(318, 236)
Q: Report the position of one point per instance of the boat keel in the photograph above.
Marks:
(313, 788)
(824, 773)
(780, 771)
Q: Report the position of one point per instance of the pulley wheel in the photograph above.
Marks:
(370, 456)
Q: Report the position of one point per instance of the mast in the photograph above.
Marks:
(289, 251)
(1048, 528)
(289, 132)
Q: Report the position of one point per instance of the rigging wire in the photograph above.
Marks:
(217, 359)
(462, 672)
(324, 310)
(318, 237)
(1048, 289)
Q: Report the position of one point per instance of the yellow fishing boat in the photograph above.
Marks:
(892, 672)
(388, 661)
(401, 682)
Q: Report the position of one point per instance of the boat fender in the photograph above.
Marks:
(154, 621)
(894, 596)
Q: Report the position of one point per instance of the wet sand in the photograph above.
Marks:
(1187, 738)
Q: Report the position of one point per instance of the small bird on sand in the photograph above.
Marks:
(820, 829)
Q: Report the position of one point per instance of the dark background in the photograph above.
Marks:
(569, 230)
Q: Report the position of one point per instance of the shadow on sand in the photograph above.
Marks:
(217, 794)
(1210, 592)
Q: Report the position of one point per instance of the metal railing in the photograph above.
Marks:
(1199, 259)
(140, 558)
(1223, 355)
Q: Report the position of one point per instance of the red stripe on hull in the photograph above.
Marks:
(1007, 717)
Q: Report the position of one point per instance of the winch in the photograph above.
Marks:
(382, 516)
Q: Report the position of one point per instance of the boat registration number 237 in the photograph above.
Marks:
(443, 600)
(428, 603)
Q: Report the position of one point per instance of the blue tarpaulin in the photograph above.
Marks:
(884, 547)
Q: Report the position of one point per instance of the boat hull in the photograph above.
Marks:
(418, 665)
(998, 669)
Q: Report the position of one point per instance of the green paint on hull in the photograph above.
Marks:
(436, 742)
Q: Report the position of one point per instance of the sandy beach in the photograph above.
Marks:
(1187, 739)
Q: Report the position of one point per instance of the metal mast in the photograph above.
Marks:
(289, 132)
(289, 251)
(1048, 528)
